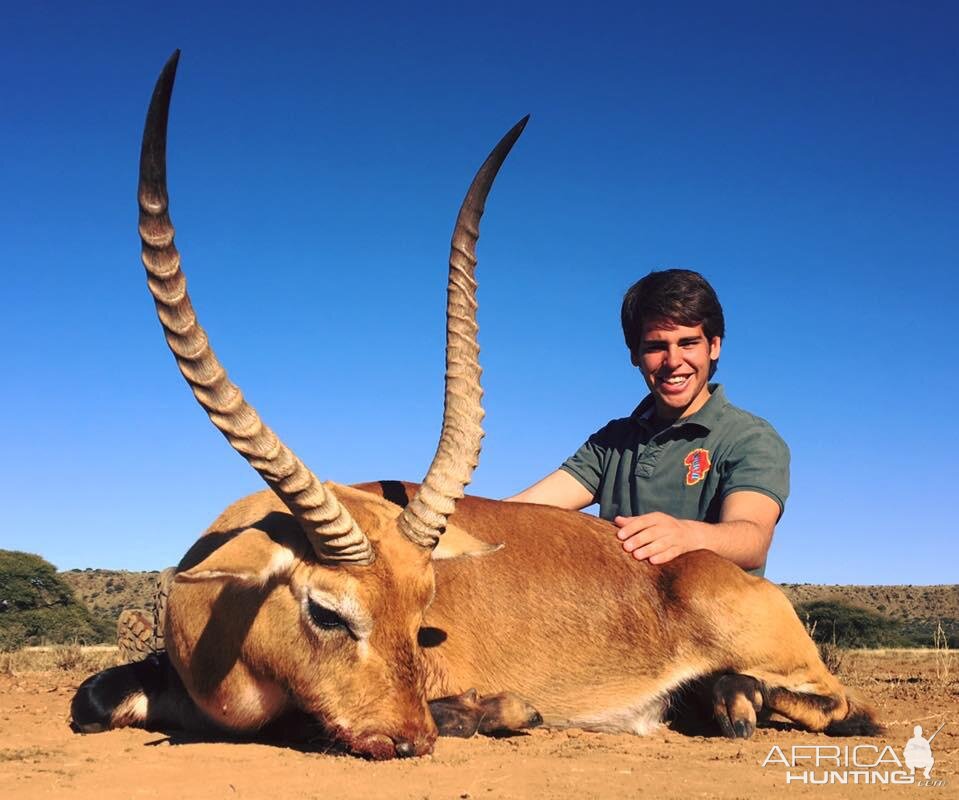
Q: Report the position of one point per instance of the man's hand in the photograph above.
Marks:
(658, 537)
(745, 529)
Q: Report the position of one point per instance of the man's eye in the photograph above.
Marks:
(325, 618)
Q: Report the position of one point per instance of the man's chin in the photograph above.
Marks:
(673, 404)
(675, 401)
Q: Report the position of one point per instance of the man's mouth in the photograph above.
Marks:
(675, 383)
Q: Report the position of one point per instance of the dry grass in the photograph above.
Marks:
(944, 656)
(832, 654)
(61, 657)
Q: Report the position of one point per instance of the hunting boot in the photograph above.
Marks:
(140, 633)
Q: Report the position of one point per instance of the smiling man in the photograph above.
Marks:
(686, 470)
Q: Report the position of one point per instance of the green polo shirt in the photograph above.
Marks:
(685, 469)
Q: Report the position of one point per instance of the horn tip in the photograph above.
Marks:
(517, 129)
(169, 69)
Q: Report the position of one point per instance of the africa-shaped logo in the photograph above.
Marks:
(697, 465)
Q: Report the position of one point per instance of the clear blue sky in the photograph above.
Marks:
(803, 156)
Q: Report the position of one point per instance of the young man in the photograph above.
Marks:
(686, 470)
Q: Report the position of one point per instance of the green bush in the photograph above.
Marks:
(37, 607)
(850, 626)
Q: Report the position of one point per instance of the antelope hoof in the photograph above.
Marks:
(737, 700)
(466, 714)
(457, 715)
(506, 712)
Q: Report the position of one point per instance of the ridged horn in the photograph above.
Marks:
(328, 525)
(424, 518)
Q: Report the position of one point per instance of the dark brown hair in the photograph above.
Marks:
(678, 296)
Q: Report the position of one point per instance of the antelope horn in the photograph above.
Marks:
(424, 518)
(332, 532)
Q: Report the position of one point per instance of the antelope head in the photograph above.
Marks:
(310, 598)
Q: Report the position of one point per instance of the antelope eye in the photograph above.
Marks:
(324, 618)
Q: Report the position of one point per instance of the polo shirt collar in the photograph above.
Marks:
(707, 417)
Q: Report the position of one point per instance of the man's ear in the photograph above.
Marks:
(457, 543)
(715, 345)
(250, 557)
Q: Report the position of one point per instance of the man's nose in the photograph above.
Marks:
(674, 357)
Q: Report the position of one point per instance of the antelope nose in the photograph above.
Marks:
(405, 749)
(417, 745)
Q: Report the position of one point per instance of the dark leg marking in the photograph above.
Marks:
(146, 694)
(100, 696)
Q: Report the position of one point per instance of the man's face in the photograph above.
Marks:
(674, 360)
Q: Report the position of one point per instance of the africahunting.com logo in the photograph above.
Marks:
(858, 764)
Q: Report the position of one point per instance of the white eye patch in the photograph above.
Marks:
(345, 606)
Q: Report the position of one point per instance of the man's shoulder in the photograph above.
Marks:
(750, 455)
(746, 436)
(739, 421)
(616, 430)
(627, 427)
(588, 462)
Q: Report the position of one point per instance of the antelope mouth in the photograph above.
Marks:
(330, 739)
(379, 746)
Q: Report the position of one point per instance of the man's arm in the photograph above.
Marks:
(558, 489)
(743, 534)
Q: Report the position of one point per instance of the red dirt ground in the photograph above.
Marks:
(41, 758)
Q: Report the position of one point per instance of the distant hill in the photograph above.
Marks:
(891, 616)
(905, 603)
(107, 592)
(898, 616)
(869, 616)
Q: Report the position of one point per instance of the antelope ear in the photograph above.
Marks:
(250, 557)
(457, 543)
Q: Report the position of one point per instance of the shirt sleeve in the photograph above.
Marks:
(759, 462)
(588, 464)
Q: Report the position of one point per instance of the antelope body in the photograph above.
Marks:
(375, 616)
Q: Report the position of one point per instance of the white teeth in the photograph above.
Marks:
(677, 380)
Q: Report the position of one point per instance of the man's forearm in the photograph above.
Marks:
(558, 489)
(740, 538)
(743, 542)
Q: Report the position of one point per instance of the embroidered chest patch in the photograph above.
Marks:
(697, 465)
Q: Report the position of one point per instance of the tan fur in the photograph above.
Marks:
(589, 637)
